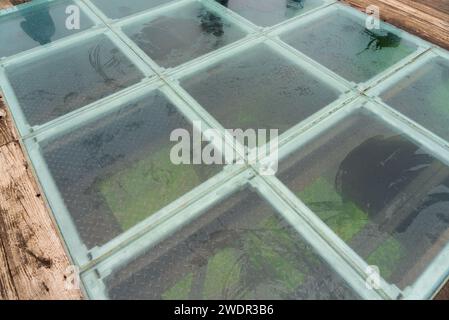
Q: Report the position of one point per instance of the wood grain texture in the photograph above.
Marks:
(7, 132)
(5, 4)
(33, 262)
(426, 19)
(444, 293)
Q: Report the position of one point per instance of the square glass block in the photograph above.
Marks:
(62, 81)
(259, 89)
(116, 9)
(423, 96)
(115, 171)
(182, 34)
(36, 26)
(239, 249)
(341, 42)
(384, 195)
(270, 12)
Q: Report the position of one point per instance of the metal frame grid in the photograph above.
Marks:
(96, 264)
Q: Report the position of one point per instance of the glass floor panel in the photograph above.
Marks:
(115, 171)
(116, 9)
(177, 36)
(341, 42)
(270, 12)
(384, 195)
(424, 96)
(96, 112)
(259, 89)
(37, 26)
(239, 249)
(65, 80)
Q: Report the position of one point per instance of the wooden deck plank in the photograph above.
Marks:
(7, 135)
(33, 262)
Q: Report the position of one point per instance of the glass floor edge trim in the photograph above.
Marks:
(286, 24)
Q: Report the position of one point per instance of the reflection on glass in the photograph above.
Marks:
(295, 4)
(35, 26)
(383, 194)
(39, 25)
(211, 23)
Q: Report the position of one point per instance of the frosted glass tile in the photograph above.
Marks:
(423, 96)
(37, 26)
(177, 36)
(116, 9)
(341, 42)
(239, 249)
(259, 89)
(115, 171)
(386, 196)
(270, 12)
(62, 81)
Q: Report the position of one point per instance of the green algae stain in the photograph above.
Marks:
(346, 220)
(223, 274)
(264, 259)
(181, 290)
(136, 192)
(387, 256)
(343, 217)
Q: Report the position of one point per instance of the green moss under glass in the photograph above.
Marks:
(265, 260)
(138, 191)
(346, 220)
